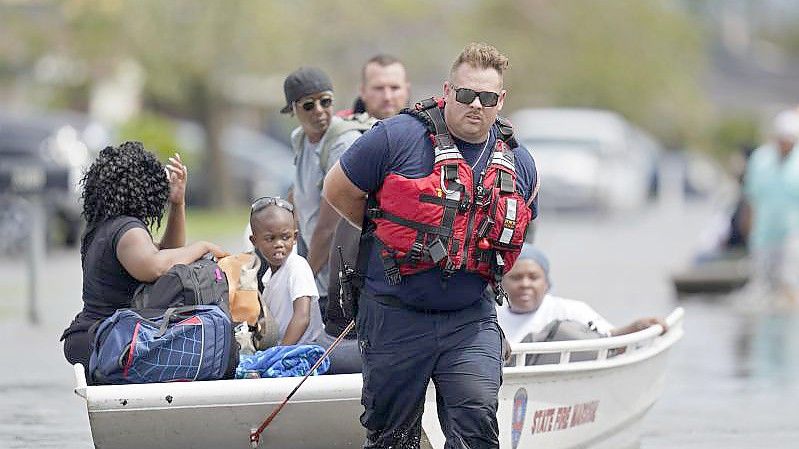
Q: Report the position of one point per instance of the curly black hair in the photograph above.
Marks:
(125, 180)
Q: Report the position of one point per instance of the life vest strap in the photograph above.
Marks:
(443, 231)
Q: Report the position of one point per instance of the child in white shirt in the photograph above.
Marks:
(289, 288)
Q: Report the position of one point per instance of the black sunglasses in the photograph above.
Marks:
(324, 102)
(266, 201)
(466, 96)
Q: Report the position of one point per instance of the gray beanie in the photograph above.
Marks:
(530, 252)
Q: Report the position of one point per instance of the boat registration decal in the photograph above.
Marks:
(560, 418)
(519, 410)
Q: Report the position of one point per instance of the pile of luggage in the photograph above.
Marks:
(187, 326)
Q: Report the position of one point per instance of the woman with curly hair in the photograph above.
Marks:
(125, 193)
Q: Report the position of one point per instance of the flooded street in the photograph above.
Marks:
(731, 383)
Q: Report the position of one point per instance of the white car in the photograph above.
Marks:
(588, 158)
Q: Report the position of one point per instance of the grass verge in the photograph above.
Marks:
(212, 224)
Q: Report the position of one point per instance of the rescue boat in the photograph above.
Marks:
(570, 404)
(725, 274)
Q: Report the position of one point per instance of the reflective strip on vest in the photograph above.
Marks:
(510, 221)
(446, 154)
(498, 158)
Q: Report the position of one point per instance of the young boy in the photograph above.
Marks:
(289, 287)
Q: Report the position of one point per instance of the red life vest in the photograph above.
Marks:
(446, 219)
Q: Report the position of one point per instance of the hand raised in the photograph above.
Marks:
(177, 174)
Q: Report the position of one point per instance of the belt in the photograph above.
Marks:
(393, 301)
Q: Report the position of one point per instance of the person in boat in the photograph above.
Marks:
(772, 189)
(384, 91)
(126, 192)
(530, 307)
(422, 313)
(289, 289)
(317, 143)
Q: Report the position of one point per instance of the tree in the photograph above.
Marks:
(643, 59)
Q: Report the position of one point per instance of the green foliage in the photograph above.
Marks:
(736, 132)
(157, 133)
(211, 224)
(643, 59)
(639, 58)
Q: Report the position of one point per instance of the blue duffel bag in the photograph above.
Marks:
(182, 344)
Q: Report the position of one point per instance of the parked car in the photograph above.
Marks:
(259, 165)
(589, 158)
(48, 153)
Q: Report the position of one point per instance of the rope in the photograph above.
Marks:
(255, 435)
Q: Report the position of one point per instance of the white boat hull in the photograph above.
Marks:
(569, 405)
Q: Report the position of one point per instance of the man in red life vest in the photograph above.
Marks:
(450, 196)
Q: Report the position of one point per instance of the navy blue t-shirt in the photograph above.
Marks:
(400, 145)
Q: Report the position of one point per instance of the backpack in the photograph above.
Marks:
(200, 282)
(562, 330)
(182, 344)
(338, 126)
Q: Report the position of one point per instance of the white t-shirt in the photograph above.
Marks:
(517, 325)
(294, 279)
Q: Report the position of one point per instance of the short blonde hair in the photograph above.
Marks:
(482, 56)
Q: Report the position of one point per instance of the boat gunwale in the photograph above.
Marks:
(639, 346)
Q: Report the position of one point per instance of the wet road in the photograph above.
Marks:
(731, 381)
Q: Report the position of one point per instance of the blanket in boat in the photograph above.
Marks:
(282, 361)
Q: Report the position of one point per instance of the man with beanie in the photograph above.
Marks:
(317, 143)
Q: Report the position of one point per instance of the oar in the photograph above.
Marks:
(255, 434)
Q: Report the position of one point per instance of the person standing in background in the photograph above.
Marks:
(771, 185)
(384, 91)
(317, 143)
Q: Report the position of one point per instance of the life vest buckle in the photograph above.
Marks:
(450, 172)
(415, 254)
(437, 251)
(506, 184)
(448, 271)
(484, 227)
(500, 294)
(427, 103)
(392, 271)
(481, 196)
(463, 206)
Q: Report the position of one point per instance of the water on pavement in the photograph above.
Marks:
(731, 383)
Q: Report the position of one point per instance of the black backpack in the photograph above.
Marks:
(198, 283)
(562, 330)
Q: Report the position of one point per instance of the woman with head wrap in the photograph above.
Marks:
(530, 307)
(125, 193)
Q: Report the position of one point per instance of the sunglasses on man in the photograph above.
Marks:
(266, 201)
(466, 96)
(309, 104)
